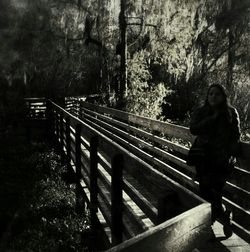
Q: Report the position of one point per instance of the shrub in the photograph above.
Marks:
(145, 97)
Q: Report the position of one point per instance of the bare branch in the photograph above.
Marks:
(79, 6)
(69, 39)
(217, 58)
(151, 25)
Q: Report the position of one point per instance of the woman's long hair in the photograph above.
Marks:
(226, 106)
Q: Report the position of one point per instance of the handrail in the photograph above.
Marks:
(101, 163)
(36, 108)
(166, 128)
(119, 126)
(140, 140)
(152, 124)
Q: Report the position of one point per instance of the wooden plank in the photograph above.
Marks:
(182, 233)
(237, 194)
(37, 109)
(68, 142)
(241, 232)
(154, 125)
(240, 177)
(34, 98)
(84, 144)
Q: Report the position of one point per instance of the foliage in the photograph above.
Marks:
(38, 205)
(144, 97)
(242, 103)
(62, 48)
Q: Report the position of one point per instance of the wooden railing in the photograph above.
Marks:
(126, 194)
(72, 103)
(165, 146)
(100, 143)
(36, 108)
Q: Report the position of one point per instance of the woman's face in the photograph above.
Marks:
(215, 97)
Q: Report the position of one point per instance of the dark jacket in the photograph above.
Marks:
(220, 135)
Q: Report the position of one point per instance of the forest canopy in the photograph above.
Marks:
(174, 50)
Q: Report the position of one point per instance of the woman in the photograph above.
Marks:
(216, 125)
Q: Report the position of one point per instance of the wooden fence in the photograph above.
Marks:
(102, 143)
(36, 108)
(126, 195)
(165, 146)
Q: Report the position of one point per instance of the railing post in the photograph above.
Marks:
(93, 181)
(116, 199)
(50, 120)
(78, 149)
(68, 147)
(81, 111)
(78, 107)
(75, 106)
(80, 204)
(28, 122)
(62, 138)
(57, 133)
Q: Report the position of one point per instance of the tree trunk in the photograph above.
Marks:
(123, 33)
(231, 58)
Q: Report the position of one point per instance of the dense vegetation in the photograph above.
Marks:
(37, 211)
(57, 48)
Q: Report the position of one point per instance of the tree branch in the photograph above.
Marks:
(72, 3)
(69, 39)
(216, 59)
(151, 25)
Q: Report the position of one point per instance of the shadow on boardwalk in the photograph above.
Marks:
(221, 244)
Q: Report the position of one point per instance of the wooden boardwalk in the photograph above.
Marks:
(128, 162)
(221, 244)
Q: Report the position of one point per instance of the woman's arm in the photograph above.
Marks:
(201, 122)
